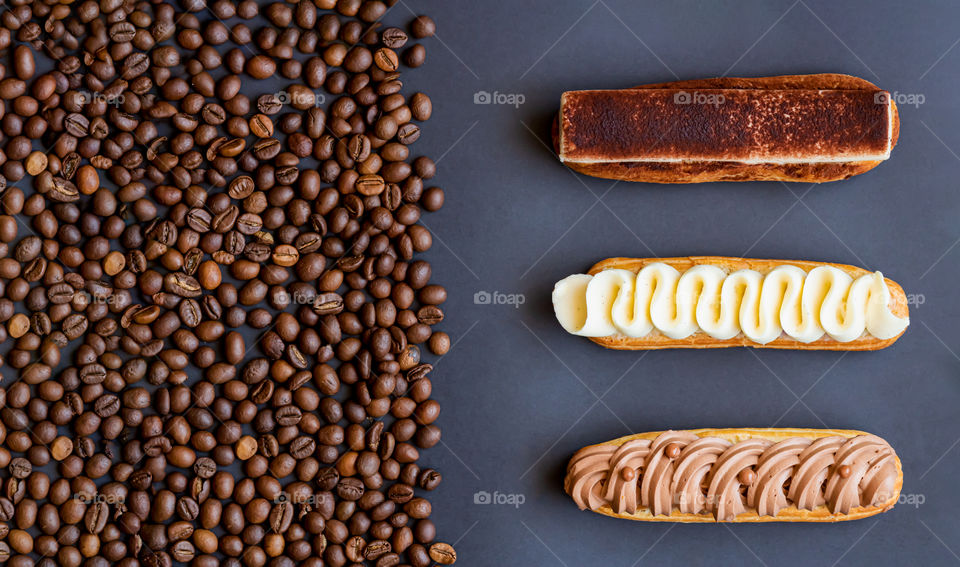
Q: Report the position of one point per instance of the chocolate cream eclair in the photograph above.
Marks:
(737, 475)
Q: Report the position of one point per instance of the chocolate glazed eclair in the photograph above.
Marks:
(807, 128)
(737, 475)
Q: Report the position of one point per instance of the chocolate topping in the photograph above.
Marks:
(697, 475)
(746, 125)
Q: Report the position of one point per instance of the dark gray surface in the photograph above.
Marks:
(520, 395)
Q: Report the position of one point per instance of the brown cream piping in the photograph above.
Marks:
(681, 471)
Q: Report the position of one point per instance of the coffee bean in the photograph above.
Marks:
(269, 104)
(394, 38)
(96, 517)
(281, 516)
(205, 467)
(182, 285)
(182, 551)
(369, 185)
(421, 108)
(261, 126)
(408, 133)
(414, 56)
(106, 405)
(324, 257)
(423, 26)
(443, 553)
(302, 447)
(122, 32)
(429, 479)
(260, 67)
(20, 468)
(328, 304)
(400, 493)
(386, 59)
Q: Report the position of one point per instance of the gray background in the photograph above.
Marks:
(520, 395)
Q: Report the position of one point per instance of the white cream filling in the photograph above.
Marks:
(803, 305)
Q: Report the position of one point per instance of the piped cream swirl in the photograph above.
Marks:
(786, 300)
(681, 471)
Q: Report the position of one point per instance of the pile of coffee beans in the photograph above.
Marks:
(214, 329)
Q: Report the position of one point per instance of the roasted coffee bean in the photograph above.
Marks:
(408, 133)
(205, 467)
(394, 38)
(159, 229)
(20, 468)
(350, 489)
(241, 187)
(281, 516)
(400, 493)
(429, 479)
(182, 285)
(443, 553)
(328, 304)
(386, 59)
(414, 56)
(423, 26)
(107, 405)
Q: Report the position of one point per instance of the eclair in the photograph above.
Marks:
(737, 475)
(809, 128)
(714, 302)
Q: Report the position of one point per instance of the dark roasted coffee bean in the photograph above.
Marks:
(107, 405)
(328, 304)
(93, 374)
(159, 229)
(241, 187)
(182, 285)
(187, 508)
(394, 38)
(302, 447)
(408, 133)
(74, 326)
(269, 104)
(400, 493)
(20, 468)
(122, 32)
(350, 489)
(288, 415)
(281, 516)
(96, 517)
(205, 467)
(327, 479)
(429, 479)
(415, 55)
